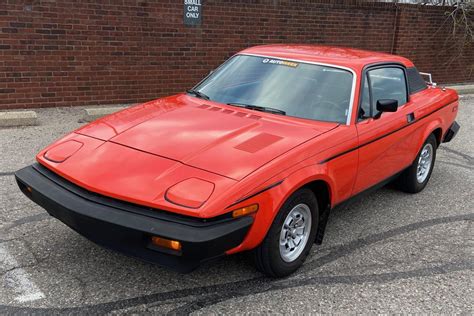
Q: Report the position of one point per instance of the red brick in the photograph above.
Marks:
(78, 53)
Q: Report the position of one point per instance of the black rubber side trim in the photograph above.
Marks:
(256, 193)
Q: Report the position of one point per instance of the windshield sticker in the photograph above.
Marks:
(334, 70)
(280, 62)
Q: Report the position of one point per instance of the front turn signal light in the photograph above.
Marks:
(166, 243)
(245, 210)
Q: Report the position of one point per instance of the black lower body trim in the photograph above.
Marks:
(129, 232)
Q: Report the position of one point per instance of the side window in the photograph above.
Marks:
(415, 81)
(388, 83)
(365, 101)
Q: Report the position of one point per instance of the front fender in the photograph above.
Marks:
(272, 200)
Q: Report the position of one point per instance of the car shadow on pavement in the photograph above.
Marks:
(196, 298)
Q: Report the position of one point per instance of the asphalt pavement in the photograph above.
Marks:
(388, 252)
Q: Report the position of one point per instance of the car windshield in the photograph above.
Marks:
(281, 86)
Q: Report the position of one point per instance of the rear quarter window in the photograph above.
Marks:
(415, 81)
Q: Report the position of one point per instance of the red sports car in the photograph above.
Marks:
(254, 157)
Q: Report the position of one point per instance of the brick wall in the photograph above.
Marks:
(61, 53)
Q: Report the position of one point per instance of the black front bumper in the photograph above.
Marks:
(127, 227)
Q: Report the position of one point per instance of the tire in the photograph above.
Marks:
(413, 180)
(268, 257)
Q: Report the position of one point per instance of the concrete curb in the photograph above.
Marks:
(463, 89)
(92, 114)
(18, 118)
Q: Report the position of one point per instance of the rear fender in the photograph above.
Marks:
(429, 129)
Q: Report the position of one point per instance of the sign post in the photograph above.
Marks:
(192, 12)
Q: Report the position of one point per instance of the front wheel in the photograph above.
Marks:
(290, 237)
(415, 178)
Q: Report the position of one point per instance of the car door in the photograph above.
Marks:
(382, 149)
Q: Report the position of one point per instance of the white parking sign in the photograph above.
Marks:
(192, 12)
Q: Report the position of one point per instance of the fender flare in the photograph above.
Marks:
(429, 129)
(299, 179)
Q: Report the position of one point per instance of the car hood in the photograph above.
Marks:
(221, 139)
(119, 172)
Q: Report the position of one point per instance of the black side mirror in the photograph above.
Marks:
(386, 105)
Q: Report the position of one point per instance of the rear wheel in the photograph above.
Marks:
(290, 237)
(416, 177)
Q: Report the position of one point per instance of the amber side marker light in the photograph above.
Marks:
(245, 210)
(166, 243)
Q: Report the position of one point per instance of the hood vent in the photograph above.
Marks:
(227, 111)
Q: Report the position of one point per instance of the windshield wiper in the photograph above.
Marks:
(259, 108)
(198, 94)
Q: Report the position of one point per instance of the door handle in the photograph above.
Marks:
(411, 117)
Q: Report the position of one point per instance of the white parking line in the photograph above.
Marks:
(18, 279)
